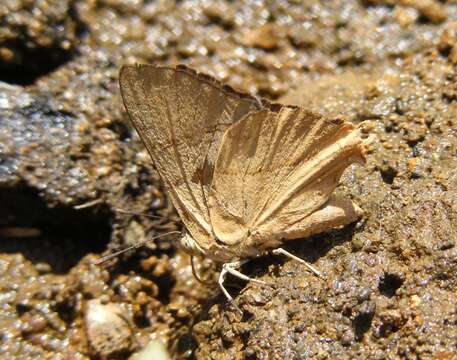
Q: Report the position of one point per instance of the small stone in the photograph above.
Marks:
(108, 332)
(183, 313)
(405, 16)
(411, 163)
(302, 37)
(446, 244)
(180, 311)
(142, 298)
(6, 55)
(43, 268)
(33, 323)
(432, 10)
(154, 350)
(221, 13)
(392, 321)
(388, 172)
(228, 336)
(357, 243)
(265, 37)
(347, 338)
(415, 301)
(448, 37)
(363, 295)
(249, 352)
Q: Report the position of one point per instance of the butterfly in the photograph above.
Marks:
(244, 174)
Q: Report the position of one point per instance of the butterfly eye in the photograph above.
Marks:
(188, 244)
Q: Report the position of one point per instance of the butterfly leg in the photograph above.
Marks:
(231, 269)
(281, 251)
(224, 290)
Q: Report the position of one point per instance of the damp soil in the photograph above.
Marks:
(69, 160)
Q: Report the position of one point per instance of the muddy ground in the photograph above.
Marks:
(69, 159)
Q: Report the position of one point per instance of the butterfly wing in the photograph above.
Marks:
(337, 211)
(181, 116)
(275, 169)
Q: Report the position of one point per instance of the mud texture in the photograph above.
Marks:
(69, 159)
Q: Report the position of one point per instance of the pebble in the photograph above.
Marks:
(33, 323)
(264, 37)
(432, 10)
(347, 338)
(107, 331)
(155, 350)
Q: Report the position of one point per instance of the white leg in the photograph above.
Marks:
(230, 268)
(281, 251)
(224, 290)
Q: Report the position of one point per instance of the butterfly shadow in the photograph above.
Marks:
(309, 249)
(271, 267)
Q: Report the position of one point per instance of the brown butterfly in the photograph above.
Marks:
(244, 174)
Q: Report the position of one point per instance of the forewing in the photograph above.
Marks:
(276, 168)
(181, 116)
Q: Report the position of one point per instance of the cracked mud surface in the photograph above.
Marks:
(69, 158)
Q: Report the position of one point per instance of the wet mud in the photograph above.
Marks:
(69, 159)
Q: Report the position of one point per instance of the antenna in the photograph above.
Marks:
(135, 246)
(121, 211)
(127, 212)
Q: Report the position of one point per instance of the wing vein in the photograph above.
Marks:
(177, 155)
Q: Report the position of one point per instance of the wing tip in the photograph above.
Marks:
(134, 66)
(125, 73)
(363, 144)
